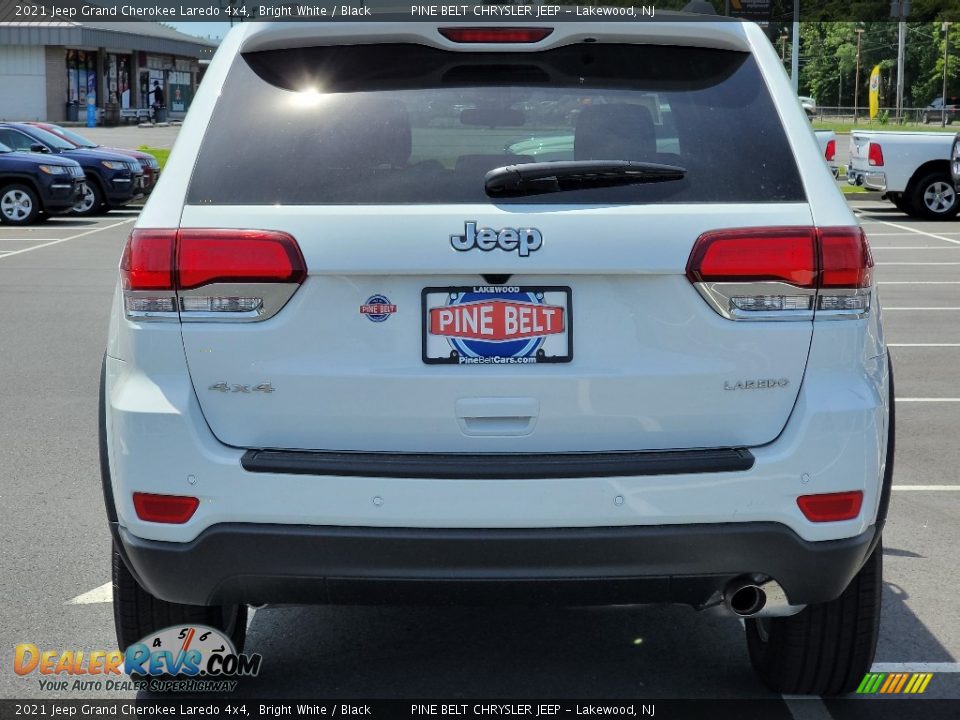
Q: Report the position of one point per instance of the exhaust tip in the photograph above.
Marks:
(747, 600)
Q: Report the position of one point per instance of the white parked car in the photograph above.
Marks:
(912, 169)
(375, 359)
(809, 105)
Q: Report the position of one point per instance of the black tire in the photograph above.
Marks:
(19, 205)
(827, 648)
(137, 613)
(933, 197)
(92, 202)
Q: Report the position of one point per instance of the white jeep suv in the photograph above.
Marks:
(566, 313)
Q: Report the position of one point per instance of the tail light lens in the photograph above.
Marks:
(784, 254)
(199, 274)
(875, 155)
(785, 273)
(831, 152)
(146, 273)
(831, 507)
(171, 509)
(495, 35)
(247, 256)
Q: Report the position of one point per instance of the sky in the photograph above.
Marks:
(203, 29)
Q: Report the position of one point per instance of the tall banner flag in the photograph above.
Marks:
(874, 92)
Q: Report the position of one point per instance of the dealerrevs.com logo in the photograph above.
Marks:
(181, 658)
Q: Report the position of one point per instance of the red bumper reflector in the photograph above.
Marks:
(831, 507)
(495, 34)
(172, 509)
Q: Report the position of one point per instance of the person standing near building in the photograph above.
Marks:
(157, 95)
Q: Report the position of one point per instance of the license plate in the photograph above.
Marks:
(497, 325)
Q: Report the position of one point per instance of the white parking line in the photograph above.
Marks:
(917, 232)
(917, 667)
(926, 488)
(102, 594)
(11, 253)
(918, 399)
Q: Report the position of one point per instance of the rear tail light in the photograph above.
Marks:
(199, 274)
(171, 509)
(875, 155)
(831, 152)
(831, 507)
(785, 273)
(495, 34)
(146, 272)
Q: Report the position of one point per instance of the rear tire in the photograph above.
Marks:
(137, 613)
(933, 197)
(827, 648)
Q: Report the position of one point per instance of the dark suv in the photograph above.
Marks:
(934, 111)
(112, 181)
(148, 163)
(33, 188)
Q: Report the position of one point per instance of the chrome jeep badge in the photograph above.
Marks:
(522, 240)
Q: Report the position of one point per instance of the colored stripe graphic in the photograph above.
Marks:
(894, 683)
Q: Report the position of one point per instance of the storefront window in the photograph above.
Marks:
(81, 75)
(118, 79)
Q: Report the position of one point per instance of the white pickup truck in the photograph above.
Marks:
(911, 168)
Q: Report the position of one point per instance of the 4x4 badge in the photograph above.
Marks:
(522, 240)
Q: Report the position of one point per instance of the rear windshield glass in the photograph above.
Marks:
(395, 124)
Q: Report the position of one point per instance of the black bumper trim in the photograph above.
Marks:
(689, 564)
(497, 466)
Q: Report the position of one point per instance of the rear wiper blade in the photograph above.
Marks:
(563, 175)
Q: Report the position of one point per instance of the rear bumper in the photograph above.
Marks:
(689, 564)
(872, 180)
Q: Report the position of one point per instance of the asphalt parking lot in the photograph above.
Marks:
(56, 283)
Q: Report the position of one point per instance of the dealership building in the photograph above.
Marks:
(52, 70)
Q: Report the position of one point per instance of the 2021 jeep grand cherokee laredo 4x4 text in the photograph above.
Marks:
(376, 356)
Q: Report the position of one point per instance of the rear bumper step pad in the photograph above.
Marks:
(497, 466)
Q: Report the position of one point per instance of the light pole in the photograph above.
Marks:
(900, 9)
(856, 82)
(783, 48)
(795, 50)
(946, 44)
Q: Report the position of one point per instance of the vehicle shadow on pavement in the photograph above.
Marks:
(655, 651)
(69, 222)
(402, 652)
